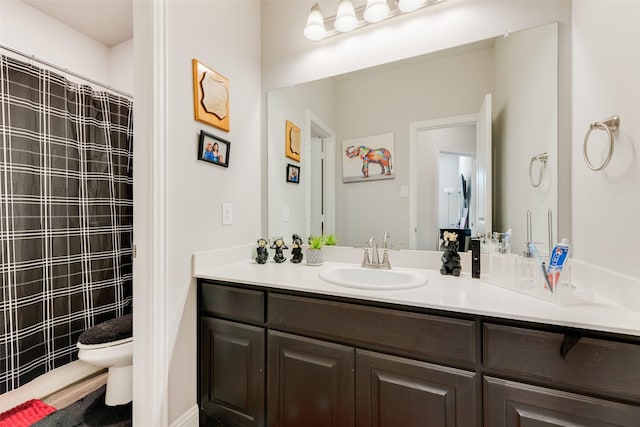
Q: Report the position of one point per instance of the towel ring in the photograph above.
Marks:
(541, 159)
(609, 126)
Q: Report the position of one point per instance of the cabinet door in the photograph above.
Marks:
(393, 391)
(509, 403)
(311, 382)
(232, 372)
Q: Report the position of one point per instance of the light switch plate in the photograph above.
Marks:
(227, 214)
(404, 191)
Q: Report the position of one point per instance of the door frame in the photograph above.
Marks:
(312, 121)
(414, 129)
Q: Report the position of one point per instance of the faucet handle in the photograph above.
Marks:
(385, 239)
(365, 259)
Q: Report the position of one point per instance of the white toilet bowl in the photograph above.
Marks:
(110, 345)
(118, 357)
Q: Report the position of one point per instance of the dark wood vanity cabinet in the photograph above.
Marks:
(395, 391)
(231, 361)
(285, 359)
(602, 374)
(310, 382)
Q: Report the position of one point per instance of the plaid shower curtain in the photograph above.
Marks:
(66, 216)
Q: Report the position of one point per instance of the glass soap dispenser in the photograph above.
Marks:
(526, 265)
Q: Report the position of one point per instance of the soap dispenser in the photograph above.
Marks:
(526, 265)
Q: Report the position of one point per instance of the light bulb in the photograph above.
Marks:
(376, 11)
(409, 5)
(346, 18)
(315, 29)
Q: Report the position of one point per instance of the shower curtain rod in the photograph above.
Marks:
(64, 70)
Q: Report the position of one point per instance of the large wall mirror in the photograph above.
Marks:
(433, 108)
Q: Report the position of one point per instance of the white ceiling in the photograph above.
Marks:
(108, 21)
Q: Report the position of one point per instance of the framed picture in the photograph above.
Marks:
(292, 141)
(213, 149)
(293, 173)
(210, 96)
(368, 159)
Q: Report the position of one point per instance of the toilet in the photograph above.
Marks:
(110, 345)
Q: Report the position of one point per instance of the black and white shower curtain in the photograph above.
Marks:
(66, 216)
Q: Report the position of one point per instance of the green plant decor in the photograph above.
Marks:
(316, 242)
(330, 239)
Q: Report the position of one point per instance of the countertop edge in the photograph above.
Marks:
(462, 295)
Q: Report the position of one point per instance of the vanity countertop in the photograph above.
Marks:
(456, 294)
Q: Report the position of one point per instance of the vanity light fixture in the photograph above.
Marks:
(409, 5)
(376, 11)
(346, 18)
(315, 29)
(349, 18)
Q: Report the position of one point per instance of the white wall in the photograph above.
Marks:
(197, 189)
(525, 111)
(292, 104)
(30, 31)
(605, 70)
(121, 66)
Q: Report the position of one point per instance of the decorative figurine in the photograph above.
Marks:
(279, 246)
(450, 257)
(297, 249)
(261, 252)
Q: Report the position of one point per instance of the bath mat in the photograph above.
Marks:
(90, 411)
(25, 414)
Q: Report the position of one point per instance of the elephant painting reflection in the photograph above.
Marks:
(369, 158)
(381, 156)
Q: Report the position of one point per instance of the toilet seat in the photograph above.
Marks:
(103, 345)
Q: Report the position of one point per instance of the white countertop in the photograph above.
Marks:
(456, 294)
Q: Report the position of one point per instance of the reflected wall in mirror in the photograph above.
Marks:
(520, 71)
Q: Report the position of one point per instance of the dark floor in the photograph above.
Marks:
(89, 411)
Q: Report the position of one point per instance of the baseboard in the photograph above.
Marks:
(188, 419)
(48, 383)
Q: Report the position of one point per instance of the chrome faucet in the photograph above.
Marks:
(374, 261)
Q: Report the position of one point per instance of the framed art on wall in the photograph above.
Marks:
(368, 159)
(210, 96)
(293, 173)
(292, 141)
(213, 149)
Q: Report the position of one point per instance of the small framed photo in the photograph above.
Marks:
(214, 149)
(293, 173)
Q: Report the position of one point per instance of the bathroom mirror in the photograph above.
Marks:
(416, 100)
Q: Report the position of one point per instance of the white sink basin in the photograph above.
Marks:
(365, 278)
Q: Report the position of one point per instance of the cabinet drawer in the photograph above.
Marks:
(420, 336)
(512, 404)
(236, 303)
(592, 364)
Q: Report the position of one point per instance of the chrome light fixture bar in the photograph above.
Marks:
(349, 18)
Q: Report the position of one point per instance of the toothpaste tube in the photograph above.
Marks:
(557, 260)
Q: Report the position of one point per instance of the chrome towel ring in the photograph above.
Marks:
(609, 126)
(541, 159)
